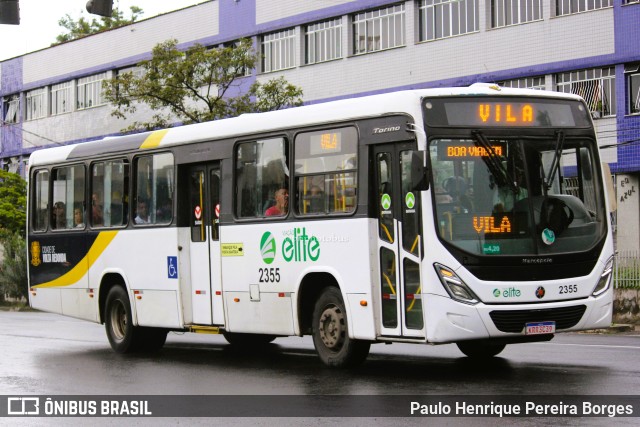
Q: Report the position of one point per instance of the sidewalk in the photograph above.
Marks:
(616, 328)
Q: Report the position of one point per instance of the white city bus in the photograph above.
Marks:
(426, 216)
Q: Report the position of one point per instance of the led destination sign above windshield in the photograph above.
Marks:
(505, 112)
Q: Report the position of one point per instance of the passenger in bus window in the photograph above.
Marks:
(282, 203)
(116, 208)
(96, 210)
(164, 213)
(78, 219)
(59, 220)
(316, 199)
(142, 215)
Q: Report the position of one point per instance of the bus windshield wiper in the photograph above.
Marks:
(493, 162)
(555, 164)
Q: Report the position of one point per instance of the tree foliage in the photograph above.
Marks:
(196, 85)
(13, 201)
(13, 267)
(83, 27)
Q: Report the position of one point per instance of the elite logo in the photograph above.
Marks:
(507, 292)
(297, 247)
(268, 248)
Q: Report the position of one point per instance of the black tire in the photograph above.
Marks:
(247, 339)
(480, 349)
(331, 332)
(123, 336)
(118, 323)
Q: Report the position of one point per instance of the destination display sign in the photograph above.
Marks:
(505, 112)
(469, 150)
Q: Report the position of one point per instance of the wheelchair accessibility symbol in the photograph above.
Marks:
(172, 267)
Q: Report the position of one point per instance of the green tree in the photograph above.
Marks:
(13, 267)
(83, 27)
(13, 201)
(196, 85)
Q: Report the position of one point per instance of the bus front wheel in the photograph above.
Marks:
(479, 349)
(331, 334)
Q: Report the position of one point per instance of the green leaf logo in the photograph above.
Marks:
(268, 248)
(385, 201)
(410, 200)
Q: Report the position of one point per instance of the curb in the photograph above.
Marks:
(613, 329)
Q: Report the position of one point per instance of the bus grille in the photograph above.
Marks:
(514, 320)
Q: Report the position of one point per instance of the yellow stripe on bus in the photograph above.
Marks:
(76, 273)
(154, 139)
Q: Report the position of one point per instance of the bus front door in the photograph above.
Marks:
(400, 249)
(204, 246)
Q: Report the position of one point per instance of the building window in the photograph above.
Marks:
(278, 51)
(262, 178)
(445, 18)
(237, 47)
(35, 100)
(90, 91)
(11, 109)
(513, 12)
(379, 29)
(568, 7)
(323, 41)
(60, 98)
(595, 85)
(633, 75)
(525, 83)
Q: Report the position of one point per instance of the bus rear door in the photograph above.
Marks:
(204, 247)
(399, 241)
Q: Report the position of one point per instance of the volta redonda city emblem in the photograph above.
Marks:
(297, 246)
(35, 254)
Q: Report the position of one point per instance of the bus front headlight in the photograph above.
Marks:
(605, 279)
(457, 289)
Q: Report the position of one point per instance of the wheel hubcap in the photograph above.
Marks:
(332, 329)
(118, 320)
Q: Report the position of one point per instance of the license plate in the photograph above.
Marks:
(539, 328)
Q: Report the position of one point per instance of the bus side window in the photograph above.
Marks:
(40, 200)
(261, 170)
(153, 189)
(68, 194)
(109, 193)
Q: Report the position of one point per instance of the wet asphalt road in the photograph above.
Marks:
(47, 354)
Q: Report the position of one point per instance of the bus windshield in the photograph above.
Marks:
(527, 196)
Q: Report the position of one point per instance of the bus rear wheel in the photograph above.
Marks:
(480, 349)
(331, 333)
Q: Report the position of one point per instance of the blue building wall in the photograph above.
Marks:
(627, 24)
(11, 83)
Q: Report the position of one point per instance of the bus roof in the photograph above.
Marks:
(407, 101)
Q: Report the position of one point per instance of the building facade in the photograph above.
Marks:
(337, 49)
